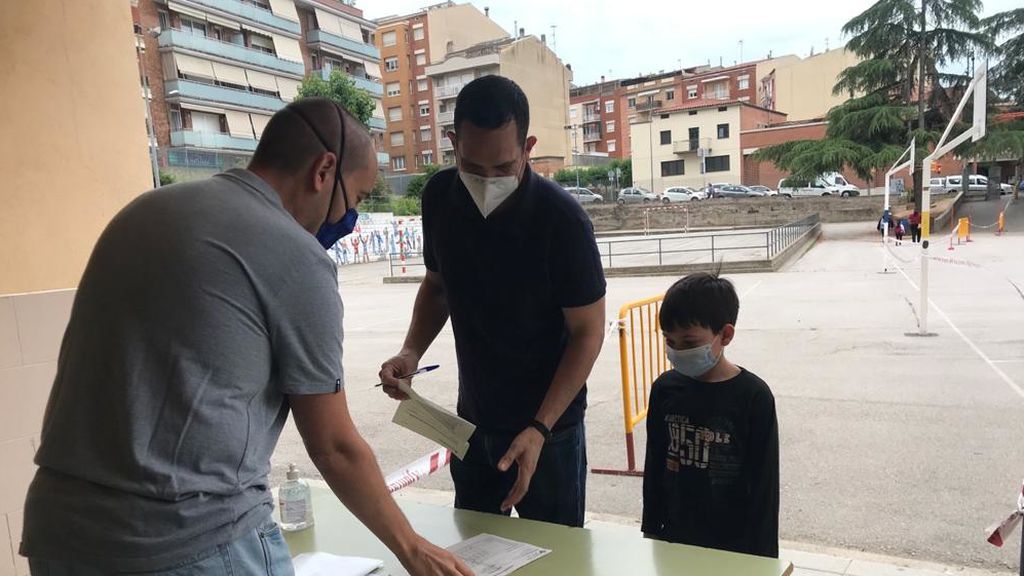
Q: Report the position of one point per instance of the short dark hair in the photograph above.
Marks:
(289, 144)
(491, 102)
(700, 299)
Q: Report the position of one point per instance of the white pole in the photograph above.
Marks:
(926, 226)
(885, 227)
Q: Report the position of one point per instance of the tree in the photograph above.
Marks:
(166, 178)
(903, 50)
(1006, 78)
(415, 187)
(342, 89)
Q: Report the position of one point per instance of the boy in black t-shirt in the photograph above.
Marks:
(712, 473)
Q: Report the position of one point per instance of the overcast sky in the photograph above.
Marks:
(625, 38)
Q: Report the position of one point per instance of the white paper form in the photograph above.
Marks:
(322, 564)
(489, 555)
(433, 422)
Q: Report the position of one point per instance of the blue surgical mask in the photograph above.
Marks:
(329, 234)
(692, 362)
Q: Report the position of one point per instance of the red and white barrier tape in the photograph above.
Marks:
(421, 468)
(999, 533)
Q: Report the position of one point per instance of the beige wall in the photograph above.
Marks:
(545, 80)
(679, 124)
(72, 153)
(73, 149)
(463, 25)
(803, 87)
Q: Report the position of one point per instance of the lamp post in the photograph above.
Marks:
(575, 150)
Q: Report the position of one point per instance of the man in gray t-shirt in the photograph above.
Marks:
(207, 311)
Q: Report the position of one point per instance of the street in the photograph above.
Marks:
(891, 444)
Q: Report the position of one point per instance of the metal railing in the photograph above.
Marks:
(411, 264)
(177, 38)
(681, 249)
(251, 13)
(347, 44)
(447, 91)
(446, 117)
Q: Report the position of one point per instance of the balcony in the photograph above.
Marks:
(591, 118)
(383, 159)
(211, 140)
(377, 124)
(685, 146)
(445, 144)
(591, 136)
(447, 91)
(648, 106)
(337, 42)
(198, 91)
(374, 88)
(252, 13)
(444, 118)
(181, 39)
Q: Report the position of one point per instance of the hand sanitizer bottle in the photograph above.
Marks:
(296, 502)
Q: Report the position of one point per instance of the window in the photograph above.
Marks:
(673, 168)
(398, 138)
(421, 85)
(391, 64)
(723, 108)
(666, 137)
(573, 112)
(394, 89)
(723, 131)
(692, 112)
(175, 119)
(718, 90)
(609, 106)
(421, 59)
(670, 94)
(716, 164)
(691, 93)
(193, 26)
(398, 162)
(609, 126)
(694, 138)
(632, 102)
(165, 19)
(395, 114)
(424, 109)
(389, 39)
(417, 33)
(428, 157)
(425, 135)
(611, 145)
(743, 83)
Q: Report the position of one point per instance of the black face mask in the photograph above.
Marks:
(329, 234)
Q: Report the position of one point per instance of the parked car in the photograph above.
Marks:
(977, 183)
(635, 195)
(711, 190)
(584, 195)
(828, 185)
(680, 194)
(937, 185)
(767, 191)
(738, 192)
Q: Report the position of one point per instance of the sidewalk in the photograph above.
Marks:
(807, 559)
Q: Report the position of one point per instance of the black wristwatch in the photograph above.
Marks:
(540, 427)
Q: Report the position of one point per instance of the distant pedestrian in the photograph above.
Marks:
(915, 226)
(884, 222)
(900, 231)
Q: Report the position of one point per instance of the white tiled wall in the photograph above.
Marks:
(31, 328)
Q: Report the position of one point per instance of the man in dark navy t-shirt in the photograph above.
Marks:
(511, 258)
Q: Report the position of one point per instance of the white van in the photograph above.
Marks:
(833, 184)
(978, 183)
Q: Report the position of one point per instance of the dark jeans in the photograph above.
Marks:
(557, 492)
(915, 233)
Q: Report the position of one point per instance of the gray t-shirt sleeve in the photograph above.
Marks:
(306, 331)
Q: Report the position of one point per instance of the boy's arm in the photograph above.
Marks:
(654, 471)
(763, 478)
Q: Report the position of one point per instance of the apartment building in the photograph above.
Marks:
(597, 123)
(530, 63)
(408, 44)
(695, 143)
(802, 87)
(217, 70)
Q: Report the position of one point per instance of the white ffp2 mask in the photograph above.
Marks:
(489, 193)
(693, 362)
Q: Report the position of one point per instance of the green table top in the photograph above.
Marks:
(610, 550)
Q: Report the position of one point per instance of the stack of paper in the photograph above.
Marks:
(489, 555)
(321, 564)
(434, 422)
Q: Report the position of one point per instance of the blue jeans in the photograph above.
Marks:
(260, 552)
(557, 492)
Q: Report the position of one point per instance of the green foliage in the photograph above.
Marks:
(342, 89)
(590, 176)
(415, 188)
(167, 178)
(406, 206)
(1007, 76)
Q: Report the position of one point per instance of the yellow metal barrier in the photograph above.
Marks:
(641, 360)
(963, 230)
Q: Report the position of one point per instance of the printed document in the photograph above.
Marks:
(433, 422)
(489, 555)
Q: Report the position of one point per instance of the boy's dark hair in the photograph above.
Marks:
(700, 299)
(491, 102)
